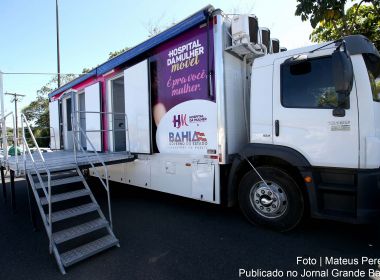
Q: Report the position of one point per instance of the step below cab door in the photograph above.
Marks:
(303, 101)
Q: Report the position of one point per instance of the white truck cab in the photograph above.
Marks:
(299, 137)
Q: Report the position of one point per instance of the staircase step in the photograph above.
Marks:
(65, 196)
(73, 232)
(59, 182)
(73, 256)
(73, 212)
(52, 169)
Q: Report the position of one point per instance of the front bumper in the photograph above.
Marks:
(347, 195)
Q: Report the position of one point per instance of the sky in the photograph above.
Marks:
(91, 29)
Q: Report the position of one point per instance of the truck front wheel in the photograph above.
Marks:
(276, 203)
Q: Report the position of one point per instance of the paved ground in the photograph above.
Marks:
(167, 237)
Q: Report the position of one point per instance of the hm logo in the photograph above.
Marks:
(179, 120)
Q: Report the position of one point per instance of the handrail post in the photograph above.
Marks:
(4, 128)
(5, 138)
(50, 215)
(15, 142)
(74, 123)
(23, 144)
(48, 193)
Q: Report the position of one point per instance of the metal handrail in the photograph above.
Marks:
(106, 184)
(14, 139)
(126, 129)
(51, 135)
(77, 142)
(4, 137)
(36, 169)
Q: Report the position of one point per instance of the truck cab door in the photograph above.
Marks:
(303, 101)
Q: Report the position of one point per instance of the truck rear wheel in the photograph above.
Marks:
(276, 203)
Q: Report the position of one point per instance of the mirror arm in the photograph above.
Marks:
(340, 111)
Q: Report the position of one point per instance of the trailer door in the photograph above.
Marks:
(137, 108)
(55, 142)
(93, 117)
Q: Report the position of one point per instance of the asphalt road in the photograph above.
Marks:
(168, 237)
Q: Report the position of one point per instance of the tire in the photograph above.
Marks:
(278, 204)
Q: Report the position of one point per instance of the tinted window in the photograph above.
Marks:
(373, 68)
(308, 84)
(68, 114)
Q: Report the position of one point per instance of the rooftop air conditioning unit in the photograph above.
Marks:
(244, 29)
(265, 37)
(275, 45)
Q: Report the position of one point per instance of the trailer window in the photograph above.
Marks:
(308, 84)
(373, 67)
(68, 114)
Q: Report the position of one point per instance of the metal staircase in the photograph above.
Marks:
(75, 224)
(80, 224)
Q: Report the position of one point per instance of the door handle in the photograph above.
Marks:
(277, 128)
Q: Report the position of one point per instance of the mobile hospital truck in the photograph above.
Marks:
(218, 111)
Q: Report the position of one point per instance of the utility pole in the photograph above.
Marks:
(58, 54)
(16, 98)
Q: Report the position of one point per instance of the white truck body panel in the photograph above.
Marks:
(137, 107)
(184, 175)
(369, 117)
(234, 96)
(261, 122)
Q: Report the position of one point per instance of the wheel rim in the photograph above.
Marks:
(268, 200)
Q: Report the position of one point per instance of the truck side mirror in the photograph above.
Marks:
(343, 77)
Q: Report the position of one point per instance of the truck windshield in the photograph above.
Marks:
(373, 67)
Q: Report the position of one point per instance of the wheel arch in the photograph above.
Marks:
(284, 158)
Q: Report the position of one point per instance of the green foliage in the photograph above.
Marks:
(116, 53)
(42, 136)
(37, 112)
(328, 98)
(319, 10)
(331, 20)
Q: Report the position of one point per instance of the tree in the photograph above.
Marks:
(116, 53)
(331, 20)
(37, 112)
